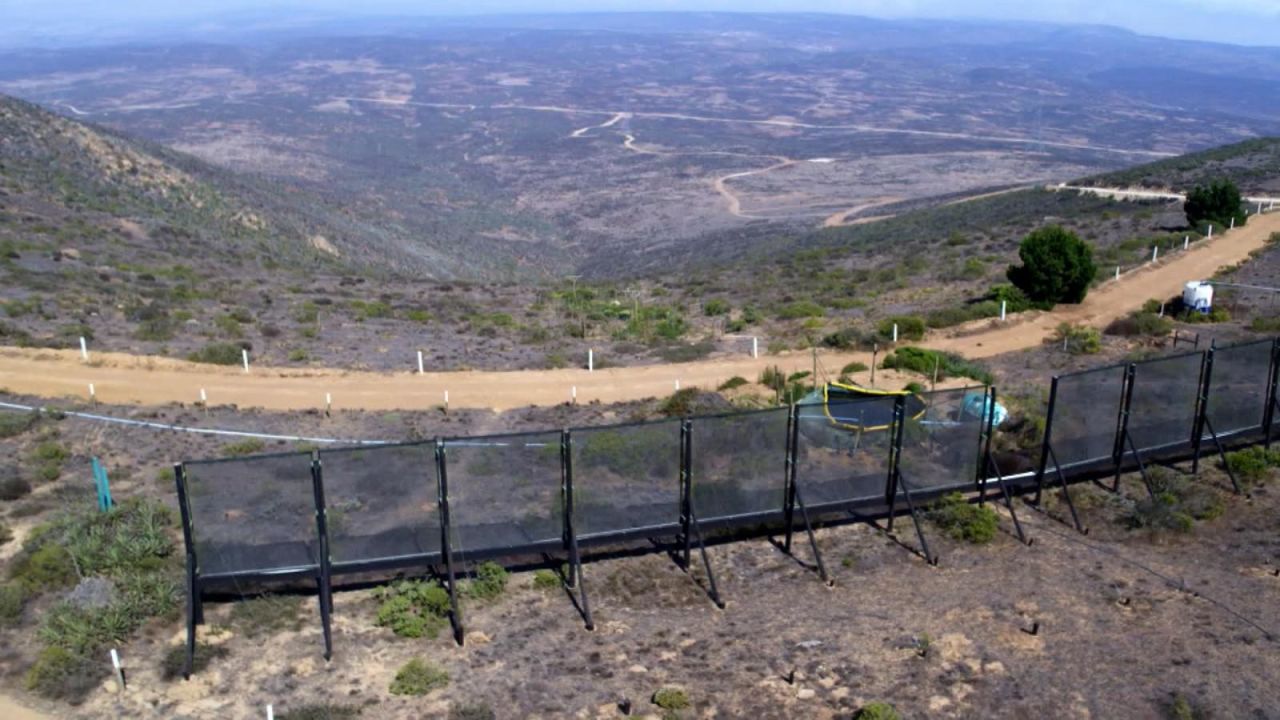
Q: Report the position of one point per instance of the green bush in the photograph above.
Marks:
(325, 711)
(1057, 266)
(1177, 504)
(920, 360)
(248, 446)
(671, 698)
(1078, 339)
(1218, 202)
(877, 711)
(413, 608)
(12, 600)
(681, 403)
(1216, 314)
(13, 424)
(854, 367)
(1141, 323)
(218, 354)
(546, 580)
(963, 520)
(299, 355)
(910, 327)
(370, 310)
(846, 339)
(1253, 465)
(1258, 324)
(43, 567)
(733, 383)
(800, 310)
(63, 675)
(418, 677)
(716, 307)
(50, 451)
(489, 583)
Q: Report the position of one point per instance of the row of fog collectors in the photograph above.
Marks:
(433, 506)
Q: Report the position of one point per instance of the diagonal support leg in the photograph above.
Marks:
(1222, 454)
(915, 519)
(1066, 495)
(1008, 498)
(713, 591)
(813, 540)
(576, 579)
(1142, 466)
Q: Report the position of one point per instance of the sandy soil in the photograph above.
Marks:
(10, 710)
(120, 378)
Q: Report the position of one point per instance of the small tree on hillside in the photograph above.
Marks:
(1057, 267)
(1217, 203)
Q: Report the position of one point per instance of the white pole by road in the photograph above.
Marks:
(446, 401)
(755, 347)
(1186, 242)
(328, 402)
(1210, 230)
(271, 714)
(1004, 304)
(84, 349)
(421, 369)
(244, 355)
(1117, 272)
(115, 665)
(895, 332)
(573, 394)
(677, 386)
(1155, 253)
(591, 360)
(92, 394)
(203, 397)
(1233, 223)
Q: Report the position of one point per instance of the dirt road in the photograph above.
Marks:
(10, 710)
(119, 378)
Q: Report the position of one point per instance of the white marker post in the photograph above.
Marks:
(92, 394)
(591, 360)
(1155, 253)
(895, 332)
(1117, 272)
(421, 368)
(573, 395)
(446, 401)
(1161, 309)
(115, 665)
(84, 349)
(328, 403)
(677, 386)
(1186, 242)
(1004, 306)
(1233, 223)
(244, 355)
(204, 399)
(1210, 235)
(755, 347)
(271, 713)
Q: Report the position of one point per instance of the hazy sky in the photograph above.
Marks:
(1254, 22)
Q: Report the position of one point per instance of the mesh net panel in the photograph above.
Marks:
(504, 492)
(940, 444)
(1162, 413)
(1238, 388)
(380, 502)
(1085, 415)
(253, 514)
(842, 450)
(739, 463)
(626, 477)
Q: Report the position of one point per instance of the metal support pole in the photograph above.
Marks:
(1202, 408)
(1122, 432)
(789, 478)
(1047, 449)
(1008, 498)
(686, 493)
(1222, 453)
(194, 606)
(915, 519)
(1273, 389)
(986, 432)
(895, 450)
(442, 503)
(322, 533)
(575, 578)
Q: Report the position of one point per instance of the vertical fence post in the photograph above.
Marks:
(1048, 434)
(575, 579)
(1202, 406)
(84, 349)
(686, 491)
(442, 505)
(421, 366)
(895, 453)
(1122, 423)
(985, 433)
(322, 532)
(1269, 417)
(789, 474)
(194, 607)
(244, 356)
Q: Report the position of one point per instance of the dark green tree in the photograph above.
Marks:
(1057, 267)
(1216, 203)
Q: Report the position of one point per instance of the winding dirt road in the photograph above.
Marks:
(120, 378)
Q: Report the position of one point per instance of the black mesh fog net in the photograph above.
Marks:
(940, 445)
(380, 502)
(1162, 414)
(739, 463)
(1085, 416)
(504, 491)
(1238, 387)
(626, 477)
(253, 515)
(842, 450)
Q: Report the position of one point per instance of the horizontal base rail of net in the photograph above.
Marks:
(629, 534)
(293, 573)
